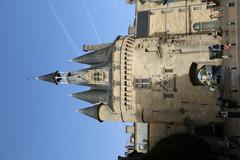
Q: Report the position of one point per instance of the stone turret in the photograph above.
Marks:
(92, 111)
(101, 112)
(99, 56)
(92, 96)
(88, 48)
(98, 76)
(145, 80)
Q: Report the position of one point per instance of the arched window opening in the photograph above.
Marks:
(205, 75)
(193, 75)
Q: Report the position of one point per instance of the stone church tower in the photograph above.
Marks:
(152, 80)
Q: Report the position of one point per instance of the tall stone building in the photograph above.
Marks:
(167, 71)
(148, 80)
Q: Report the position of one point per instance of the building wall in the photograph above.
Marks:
(173, 18)
(167, 95)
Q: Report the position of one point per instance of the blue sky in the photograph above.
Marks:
(38, 120)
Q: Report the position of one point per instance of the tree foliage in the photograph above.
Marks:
(181, 147)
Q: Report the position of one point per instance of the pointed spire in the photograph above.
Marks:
(51, 77)
(92, 111)
(95, 57)
(92, 96)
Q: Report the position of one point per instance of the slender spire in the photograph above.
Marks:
(92, 96)
(92, 111)
(51, 77)
(95, 57)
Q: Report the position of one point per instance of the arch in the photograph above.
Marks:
(193, 74)
(205, 74)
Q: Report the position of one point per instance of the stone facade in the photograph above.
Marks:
(160, 74)
(151, 79)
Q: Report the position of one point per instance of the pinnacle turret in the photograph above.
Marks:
(92, 111)
(95, 57)
(92, 96)
(88, 48)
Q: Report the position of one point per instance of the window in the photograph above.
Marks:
(145, 80)
(168, 95)
(142, 83)
(181, 10)
(97, 76)
(95, 79)
(142, 86)
(145, 86)
(196, 8)
(205, 74)
(142, 147)
(167, 11)
(168, 70)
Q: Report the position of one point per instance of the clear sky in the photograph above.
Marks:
(38, 120)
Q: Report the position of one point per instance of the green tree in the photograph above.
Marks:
(181, 147)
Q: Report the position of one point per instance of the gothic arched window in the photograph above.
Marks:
(201, 74)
